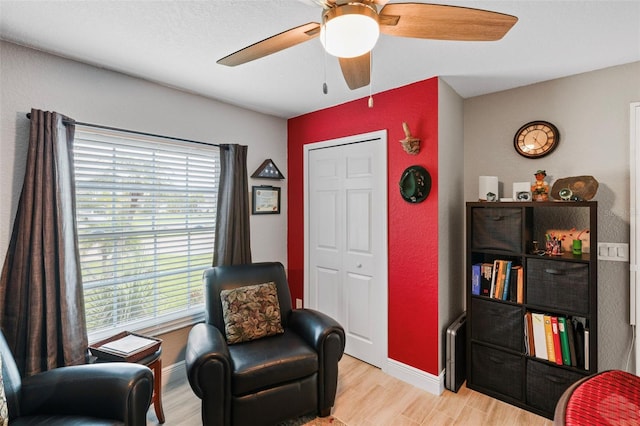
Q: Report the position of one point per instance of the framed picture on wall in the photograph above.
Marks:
(265, 199)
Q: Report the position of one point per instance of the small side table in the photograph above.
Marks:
(154, 362)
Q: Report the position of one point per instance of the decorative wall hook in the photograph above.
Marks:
(410, 144)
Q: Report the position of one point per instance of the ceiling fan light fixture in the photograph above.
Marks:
(349, 30)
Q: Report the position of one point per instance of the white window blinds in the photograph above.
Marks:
(145, 211)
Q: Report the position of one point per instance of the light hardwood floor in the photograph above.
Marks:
(367, 396)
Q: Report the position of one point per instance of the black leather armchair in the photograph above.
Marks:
(92, 394)
(271, 379)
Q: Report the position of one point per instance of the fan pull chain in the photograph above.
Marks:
(370, 103)
(325, 89)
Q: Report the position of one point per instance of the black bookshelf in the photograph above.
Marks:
(498, 363)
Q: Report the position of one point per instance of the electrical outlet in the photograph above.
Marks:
(618, 252)
(298, 303)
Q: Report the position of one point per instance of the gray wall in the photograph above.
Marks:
(591, 111)
(451, 292)
(29, 78)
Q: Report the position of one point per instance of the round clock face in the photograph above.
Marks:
(536, 139)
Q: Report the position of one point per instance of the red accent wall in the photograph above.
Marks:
(413, 228)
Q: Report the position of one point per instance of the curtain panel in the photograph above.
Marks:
(233, 237)
(41, 301)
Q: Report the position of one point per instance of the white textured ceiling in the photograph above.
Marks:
(177, 43)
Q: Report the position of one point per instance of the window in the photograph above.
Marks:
(145, 211)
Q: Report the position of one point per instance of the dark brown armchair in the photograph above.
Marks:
(270, 379)
(92, 394)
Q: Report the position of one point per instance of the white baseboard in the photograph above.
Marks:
(174, 372)
(413, 376)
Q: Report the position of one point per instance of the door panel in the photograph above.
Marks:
(359, 288)
(328, 291)
(359, 222)
(327, 228)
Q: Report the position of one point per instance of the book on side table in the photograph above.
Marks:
(125, 346)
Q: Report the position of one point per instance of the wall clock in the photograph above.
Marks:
(536, 139)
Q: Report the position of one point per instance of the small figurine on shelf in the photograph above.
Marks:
(576, 245)
(554, 244)
(540, 189)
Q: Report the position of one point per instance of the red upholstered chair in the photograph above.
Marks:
(608, 398)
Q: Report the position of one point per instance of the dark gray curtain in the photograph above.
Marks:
(41, 302)
(233, 242)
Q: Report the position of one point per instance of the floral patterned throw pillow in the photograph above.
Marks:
(251, 312)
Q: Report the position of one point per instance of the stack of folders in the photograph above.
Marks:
(558, 339)
(498, 280)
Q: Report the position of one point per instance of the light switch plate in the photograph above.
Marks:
(618, 252)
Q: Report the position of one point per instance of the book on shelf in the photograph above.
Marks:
(572, 342)
(513, 287)
(516, 285)
(507, 279)
(528, 333)
(586, 348)
(495, 278)
(513, 280)
(539, 339)
(548, 337)
(527, 347)
(519, 284)
(492, 289)
(485, 278)
(579, 342)
(564, 340)
(557, 346)
(500, 280)
(475, 278)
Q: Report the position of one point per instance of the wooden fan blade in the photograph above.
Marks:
(356, 71)
(272, 44)
(328, 4)
(332, 3)
(442, 22)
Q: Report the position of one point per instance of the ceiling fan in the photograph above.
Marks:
(350, 29)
